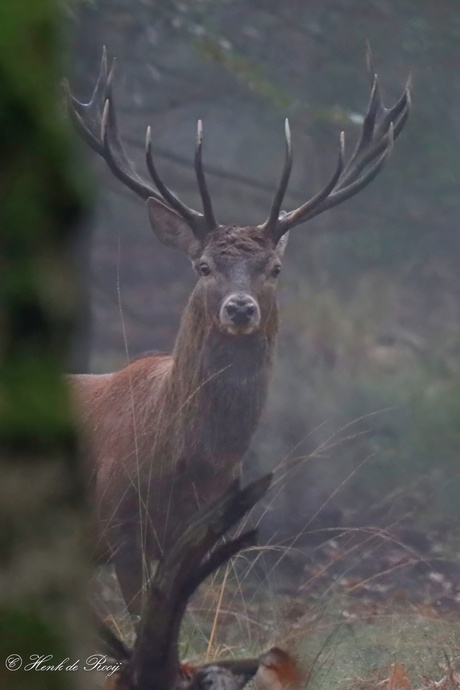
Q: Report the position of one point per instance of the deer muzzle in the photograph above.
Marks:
(240, 314)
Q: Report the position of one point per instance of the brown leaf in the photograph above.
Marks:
(398, 678)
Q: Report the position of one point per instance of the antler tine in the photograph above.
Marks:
(202, 186)
(367, 131)
(289, 220)
(115, 156)
(400, 121)
(96, 122)
(393, 114)
(79, 112)
(195, 218)
(272, 219)
(380, 128)
(374, 108)
(395, 117)
(351, 189)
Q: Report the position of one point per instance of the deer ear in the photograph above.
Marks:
(282, 244)
(171, 229)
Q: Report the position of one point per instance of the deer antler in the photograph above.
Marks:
(96, 122)
(380, 128)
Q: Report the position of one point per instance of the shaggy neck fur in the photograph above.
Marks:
(221, 382)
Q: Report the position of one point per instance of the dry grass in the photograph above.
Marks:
(347, 627)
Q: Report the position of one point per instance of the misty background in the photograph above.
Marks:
(363, 419)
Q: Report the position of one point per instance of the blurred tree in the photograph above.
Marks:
(43, 560)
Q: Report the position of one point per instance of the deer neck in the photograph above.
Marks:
(220, 384)
(206, 356)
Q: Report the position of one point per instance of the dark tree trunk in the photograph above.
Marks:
(153, 663)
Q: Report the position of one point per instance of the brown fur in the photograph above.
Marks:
(167, 433)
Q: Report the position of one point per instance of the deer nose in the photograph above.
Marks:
(241, 309)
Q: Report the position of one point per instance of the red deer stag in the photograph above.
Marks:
(168, 432)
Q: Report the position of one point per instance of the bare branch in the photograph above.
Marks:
(154, 661)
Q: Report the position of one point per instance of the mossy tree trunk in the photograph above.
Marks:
(43, 560)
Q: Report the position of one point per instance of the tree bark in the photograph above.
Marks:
(153, 663)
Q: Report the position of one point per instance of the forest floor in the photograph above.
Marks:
(367, 609)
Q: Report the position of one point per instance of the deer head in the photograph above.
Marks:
(237, 266)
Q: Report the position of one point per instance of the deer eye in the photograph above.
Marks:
(204, 269)
(276, 270)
